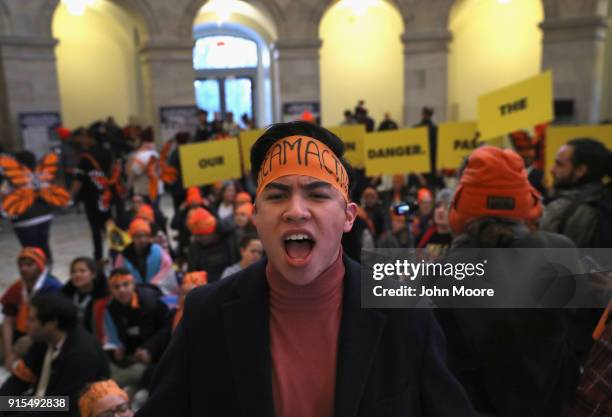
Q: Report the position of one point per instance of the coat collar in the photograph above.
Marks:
(247, 333)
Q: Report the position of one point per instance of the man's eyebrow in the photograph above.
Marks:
(316, 184)
(278, 186)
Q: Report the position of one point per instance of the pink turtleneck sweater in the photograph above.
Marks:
(304, 327)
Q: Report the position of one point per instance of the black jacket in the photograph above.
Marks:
(390, 362)
(100, 290)
(81, 361)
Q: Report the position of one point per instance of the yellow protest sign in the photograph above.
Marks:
(456, 140)
(397, 152)
(559, 136)
(208, 162)
(117, 238)
(519, 106)
(352, 136)
(247, 140)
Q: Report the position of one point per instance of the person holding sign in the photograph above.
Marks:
(287, 336)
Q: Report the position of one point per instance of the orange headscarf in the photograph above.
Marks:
(201, 222)
(96, 392)
(192, 279)
(194, 196)
(139, 225)
(303, 155)
(146, 212)
(35, 254)
(243, 198)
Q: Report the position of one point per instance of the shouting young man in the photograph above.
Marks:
(287, 336)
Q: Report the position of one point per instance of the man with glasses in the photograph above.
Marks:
(105, 399)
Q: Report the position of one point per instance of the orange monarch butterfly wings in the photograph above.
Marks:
(17, 174)
(47, 169)
(55, 195)
(18, 201)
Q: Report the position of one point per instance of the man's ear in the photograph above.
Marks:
(351, 215)
(580, 171)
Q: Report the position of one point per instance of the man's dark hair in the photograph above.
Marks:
(119, 271)
(594, 155)
(246, 240)
(89, 262)
(55, 306)
(27, 159)
(298, 128)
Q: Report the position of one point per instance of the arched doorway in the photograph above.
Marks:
(231, 58)
(98, 62)
(361, 58)
(495, 43)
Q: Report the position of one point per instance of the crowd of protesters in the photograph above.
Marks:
(115, 314)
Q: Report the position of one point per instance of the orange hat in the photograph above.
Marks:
(194, 196)
(195, 279)
(494, 183)
(139, 225)
(145, 211)
(243, 197)
(307, 116)
(35, 254)
(96, 392)
(201, 222)
(424, 193)
(63, 133)
(245, 208)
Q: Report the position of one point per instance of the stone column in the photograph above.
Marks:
(297, 71)
(167, 76)
(573, 48)
(425, 74)
(28, 80)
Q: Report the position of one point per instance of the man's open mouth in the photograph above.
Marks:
(299, 245)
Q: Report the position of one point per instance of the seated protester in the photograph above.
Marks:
(238, 226)
(34, 278)
(243, 198)
(361, 236)
(132, 320)
(179, 221)
(437, 238)
(225, 207)
(104, 399)
(400, 235)
(63, 357)
(375, 212)
(251, 251)
(148, 262)
(191, 280)
(422, 218)
(84, 288)
(209, 250)
(158, 232)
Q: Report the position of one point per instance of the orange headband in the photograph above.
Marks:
(96, 392)
(302, 155)
(120, 278)
(35, 254)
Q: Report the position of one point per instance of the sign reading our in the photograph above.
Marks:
(559, 136)
(353, 137)
(397, 152)
(519, 106)
(456, 141)
(247, 140)
(208, 162)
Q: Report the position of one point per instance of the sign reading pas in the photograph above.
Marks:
(397, 152)
(456, 141)
(519, 106)
(208, 162)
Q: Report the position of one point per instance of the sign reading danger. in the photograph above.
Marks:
(207, 162)
(397, 152)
